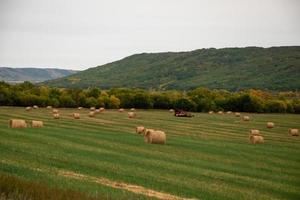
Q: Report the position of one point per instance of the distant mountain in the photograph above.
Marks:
(15, 75)
(275, 68)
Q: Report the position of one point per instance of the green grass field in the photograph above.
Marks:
(206, 157)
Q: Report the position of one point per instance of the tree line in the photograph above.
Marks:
(197, 100)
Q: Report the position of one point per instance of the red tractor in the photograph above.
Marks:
(182, 113)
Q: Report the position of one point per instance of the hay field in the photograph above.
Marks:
(206, 157)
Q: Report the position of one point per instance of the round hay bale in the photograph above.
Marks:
(97, 111)
(294, 132)
(254, 132)
(220, 112)
(270, 125)
(171, 110)
(211, 112)
(101, 109)
(228, 112)
(155, 137)
(36, 124)
(246, 118)
(237, 114)
(256, 139)
(49, 107)
(17, 123)
(92, 108)
(92, 114)
(35, 107)
(132, 109)
(131, 115)
(121, 110)
(28, 108)
(56, 116)
(79, 108)
(55, 111)
(76, 115)
(140, 129)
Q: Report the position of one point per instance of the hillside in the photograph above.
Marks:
(15, 75)
(276, 68)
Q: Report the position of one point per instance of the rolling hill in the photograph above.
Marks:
(275, 68)
(15, 75)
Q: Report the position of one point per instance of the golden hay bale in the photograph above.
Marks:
(17, 123)
(76, 115)
(155, 137)
(101, 109)
(220, 112)
(254, 132)
(131, 115)
(36, 124)
(79, 108)
(35, 107)
(171, 110)
(294, 132)
(55, 111)
(256, 139)
(270, 125)
(56, 116)
(92, 108)
(28, 108)
(228, 112)
(139, 129)
(92, 114)
(237, 114)
(246, 118)
(211, 112)
(121, 110)
(132, 109)
(49, 107)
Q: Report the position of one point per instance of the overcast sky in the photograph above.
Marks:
(78, 34)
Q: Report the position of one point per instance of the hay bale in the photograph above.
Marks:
(211, 112)
(237, 114)
(228, 112)
(121, 110)
(155, 137)
(92, 108)
(79, 108)
(220, 112)
(131, 115)
(17, 123)
(76, 115)
(28, 108)
(171, 110)
(55, 111)
(101, 109)
(140, 129)
(254, 132)
(96, 111)
(246, 118)
(294, 132)
(36, 124)
(35, 107)
(56, 116)
(132, 109)
(92, 114)
(256, 139)
(49, 107)
(270, 125)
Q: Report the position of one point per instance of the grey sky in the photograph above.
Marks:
(78, 34)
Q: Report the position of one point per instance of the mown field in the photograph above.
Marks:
(206, 157)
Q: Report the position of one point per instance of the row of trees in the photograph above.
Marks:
(199, 100)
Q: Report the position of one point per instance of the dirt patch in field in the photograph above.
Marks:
(124, 186)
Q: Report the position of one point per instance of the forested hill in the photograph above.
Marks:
(275, 68)
(16, 75)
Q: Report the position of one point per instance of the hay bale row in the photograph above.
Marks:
(20, 123)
